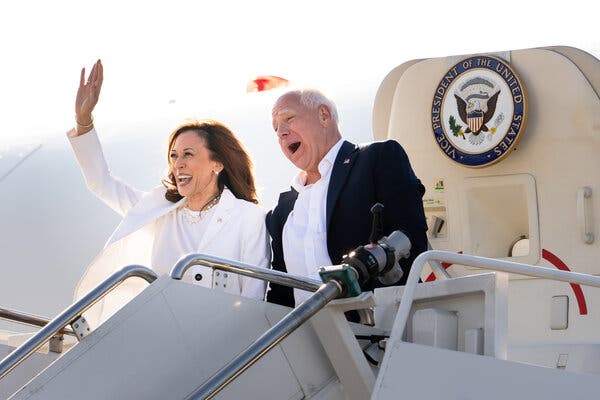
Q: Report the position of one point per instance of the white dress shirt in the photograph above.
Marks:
(305, 230)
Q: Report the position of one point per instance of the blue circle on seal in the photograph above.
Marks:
(478, 111)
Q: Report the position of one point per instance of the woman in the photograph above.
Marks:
(207, 204)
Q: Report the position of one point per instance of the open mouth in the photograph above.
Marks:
(183, 180)
(294, 147)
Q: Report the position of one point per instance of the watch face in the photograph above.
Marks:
(478, 111)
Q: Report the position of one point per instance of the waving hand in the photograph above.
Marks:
(87, 97)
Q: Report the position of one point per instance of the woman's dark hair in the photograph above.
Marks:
(224, 147)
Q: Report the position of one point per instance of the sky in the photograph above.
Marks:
(200, 55)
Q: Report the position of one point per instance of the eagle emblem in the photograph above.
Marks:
(478, 110)
(476, 103)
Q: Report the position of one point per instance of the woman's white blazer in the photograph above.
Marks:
(237, 231)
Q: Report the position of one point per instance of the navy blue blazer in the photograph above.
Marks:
(362, 175)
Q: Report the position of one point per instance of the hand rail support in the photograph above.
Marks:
(72, 313)
(29, 319)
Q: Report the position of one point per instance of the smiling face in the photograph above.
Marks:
(193, 169)
(305, 134)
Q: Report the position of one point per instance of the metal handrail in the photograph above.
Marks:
(324, 293)
(438, 270)
(436, 267)
(29, 319)
(72, 313)
(479, 262)
(282, 278)
(261, 346)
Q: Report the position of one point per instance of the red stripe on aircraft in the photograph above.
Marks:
(559, 264)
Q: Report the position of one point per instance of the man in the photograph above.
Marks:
(327, 214)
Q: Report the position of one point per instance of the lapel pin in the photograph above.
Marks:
(347, 161)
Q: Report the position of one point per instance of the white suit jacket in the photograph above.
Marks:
(237, 231)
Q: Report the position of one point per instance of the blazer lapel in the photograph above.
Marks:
(341, 169)
(219, 218)
(150, 207)
(286, 203)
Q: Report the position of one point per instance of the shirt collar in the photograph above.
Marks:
(325, 165)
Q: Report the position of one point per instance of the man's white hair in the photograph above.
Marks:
(313, 98)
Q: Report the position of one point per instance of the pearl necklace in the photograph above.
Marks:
(193, 217)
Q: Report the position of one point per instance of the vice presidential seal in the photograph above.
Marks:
(478, 111)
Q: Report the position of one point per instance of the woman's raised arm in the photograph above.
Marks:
(87, 98)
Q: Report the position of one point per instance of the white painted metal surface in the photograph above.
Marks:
(340, 345)
(449, 375)
(480, 301)
(171, 338)
(23, 373)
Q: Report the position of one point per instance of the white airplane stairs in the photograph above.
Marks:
(447, 339)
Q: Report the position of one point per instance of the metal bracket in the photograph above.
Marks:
(56, 343)
(220, 280)
(80, 327)
(345, 275)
